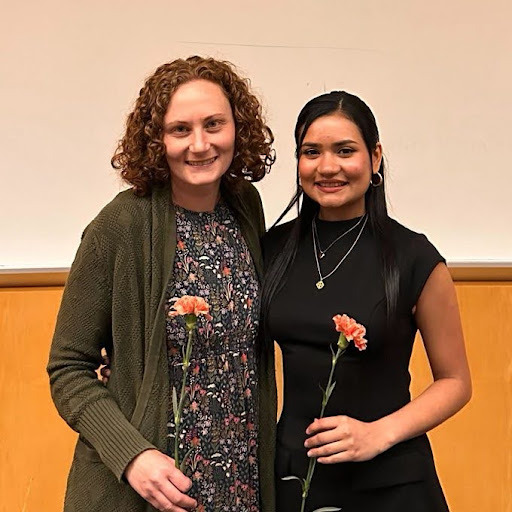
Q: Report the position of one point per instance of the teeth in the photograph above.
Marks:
(331, 184)
(199, 163)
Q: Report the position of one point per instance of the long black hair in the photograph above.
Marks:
(354, 109)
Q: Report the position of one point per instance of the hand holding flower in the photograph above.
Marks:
(337, 439)
(154, 476)
(349, 330)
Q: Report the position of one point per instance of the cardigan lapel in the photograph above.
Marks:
(247, 226)
(163, 248)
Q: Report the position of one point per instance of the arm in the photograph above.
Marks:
(83, 326)
(341, 439)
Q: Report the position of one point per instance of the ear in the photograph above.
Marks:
(376, 157)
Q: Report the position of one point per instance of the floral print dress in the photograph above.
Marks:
(219, 422)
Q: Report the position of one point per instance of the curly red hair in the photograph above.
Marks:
(140, 154)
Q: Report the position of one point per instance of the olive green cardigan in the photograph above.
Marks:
(114, 299)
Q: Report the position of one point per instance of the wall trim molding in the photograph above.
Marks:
(461, 272)
(22, 278)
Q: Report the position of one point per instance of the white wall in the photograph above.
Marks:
(437, 75)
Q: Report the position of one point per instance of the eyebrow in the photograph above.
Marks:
(208, 118)
(337, 143)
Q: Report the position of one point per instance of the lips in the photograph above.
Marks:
(201, 163)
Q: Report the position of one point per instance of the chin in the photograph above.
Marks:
(204, 181)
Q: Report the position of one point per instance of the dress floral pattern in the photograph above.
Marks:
(219, 422)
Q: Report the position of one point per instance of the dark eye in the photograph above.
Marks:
(346, 151)
(179, 129)
(214, 124)
(309, 152)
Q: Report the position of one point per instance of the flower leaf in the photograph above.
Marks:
(183, 462)
(330, 389)
(301, 480)
(327, 509)
(174, 401)
(285, 478)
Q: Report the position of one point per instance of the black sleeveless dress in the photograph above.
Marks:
(369, 384)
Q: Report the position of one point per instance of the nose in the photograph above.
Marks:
(328, 164)
(199, 143)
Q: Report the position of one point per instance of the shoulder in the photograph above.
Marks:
(247, 189)
(245, 199)
(127, 215)
(125, 205)
(408, 242)
(275, 238)
(417, 257)
(249, 195)
(402, 233)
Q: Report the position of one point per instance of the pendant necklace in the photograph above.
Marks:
(322, 252)
(320, 283)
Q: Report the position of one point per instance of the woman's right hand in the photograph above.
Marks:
(105, 368)
(155, 477)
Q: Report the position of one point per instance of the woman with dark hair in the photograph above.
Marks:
(344, 254)
(190, 224)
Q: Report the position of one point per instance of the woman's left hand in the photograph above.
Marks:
(342, 439)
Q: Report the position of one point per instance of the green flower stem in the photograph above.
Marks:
(178, 413)
(325, 399)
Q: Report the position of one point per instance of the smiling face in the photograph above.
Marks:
(335, 167)
(199, 137)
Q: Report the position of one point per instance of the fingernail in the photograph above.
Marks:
(309, 453)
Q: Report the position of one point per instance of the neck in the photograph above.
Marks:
(332, 214)
(197, 198)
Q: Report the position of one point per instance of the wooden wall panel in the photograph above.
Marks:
(473, 450)
(35, 444)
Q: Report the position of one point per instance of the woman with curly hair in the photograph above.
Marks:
(190, 224)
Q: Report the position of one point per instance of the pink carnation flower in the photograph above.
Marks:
(190, 305)
(351, 330)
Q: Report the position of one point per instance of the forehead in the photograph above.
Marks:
(332, 127)
(197, 98)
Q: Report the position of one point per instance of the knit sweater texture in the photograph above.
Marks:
(114, 299)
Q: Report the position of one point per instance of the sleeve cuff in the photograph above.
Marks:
(115, 439)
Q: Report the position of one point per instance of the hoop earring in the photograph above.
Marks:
(379, 183)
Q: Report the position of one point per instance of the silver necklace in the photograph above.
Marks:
(322, 252)
(320, 283)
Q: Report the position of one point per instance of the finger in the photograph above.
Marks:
(105, 372)
(328, 449)
(325, 437)
(319, 425)
(337, 458)
(179, 480)
(176, 497)
(161, 502)
(106, 360)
